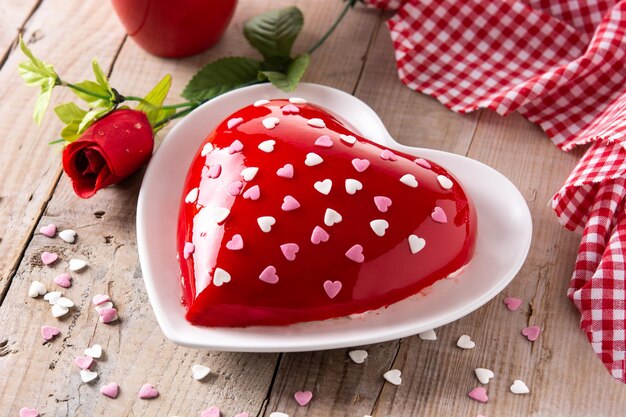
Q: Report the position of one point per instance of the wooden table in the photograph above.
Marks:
(565, 377)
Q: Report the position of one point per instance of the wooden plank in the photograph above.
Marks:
(341, 387)
(29, 169)
(108, 241)
(13, 15)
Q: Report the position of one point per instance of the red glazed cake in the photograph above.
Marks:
(289, 216)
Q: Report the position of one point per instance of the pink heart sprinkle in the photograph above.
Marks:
(512, 303)
(100, 299)
(324, 141)
(108, 314)
(532, 332)
(286, 171)
(235, 147)
(235, 243)
(214, 171)
(319, 235)
(49, 230)
(234, 122)
(49, 258)
(290, 250)
(188, 250)
(110, 390)
(28, 412)
(355, 253)
(439, 215)
(387, 155)
(332, 288)
(303, 397)
(147, 391)
(252, 193)
(234, 188)
(211, 412)
(243, 415)
(289, 203)
(269, 275)
(290, 109)
(479, 394)
(423, 163)
(382, 203)
(63, 280)
(83, 362)
(360, 164)
(48, 332)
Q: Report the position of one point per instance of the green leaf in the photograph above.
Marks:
(72, 116)
(96, 88)
(220, 76)
(90, 117)
(43, 100)
(289, 81)
(101, 78)
(154, 100)
(273, 33)
(163, 115)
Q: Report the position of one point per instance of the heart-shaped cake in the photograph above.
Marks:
(288, 215)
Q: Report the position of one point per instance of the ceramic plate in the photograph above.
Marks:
(503, 238)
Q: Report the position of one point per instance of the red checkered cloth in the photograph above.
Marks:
(561, 64)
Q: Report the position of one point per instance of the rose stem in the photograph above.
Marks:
(349, 4)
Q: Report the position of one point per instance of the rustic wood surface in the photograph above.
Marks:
(560, 368)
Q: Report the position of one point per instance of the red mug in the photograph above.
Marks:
(174, 29)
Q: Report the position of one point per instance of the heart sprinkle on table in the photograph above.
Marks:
(484, 375)
(303, 397)
(49, 230)
(49, 332)
(147, 391)
(77, 265)
(358, 356)
(427, 335)
(94, 351)
(68, 235)
(100, 299)
(211, 412)
(63, 280)
(512, 303)
(110, 390)
(83, 362)
(29, 412)
(393, 376)
(199, 372)
(88, 376)
(519, 387)
(278, 414)
(36, 289)
(532, 332)
(48, 258)
(478, 394)
(465, 342)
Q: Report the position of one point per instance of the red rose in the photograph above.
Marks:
(108, 151)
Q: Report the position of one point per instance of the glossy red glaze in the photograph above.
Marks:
(174, 29)
(390, 271)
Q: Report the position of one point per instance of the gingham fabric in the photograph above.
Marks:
(561, 64)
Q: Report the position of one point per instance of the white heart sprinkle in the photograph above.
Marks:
(297, 100)
(393, 376)
(465, 342)
(428, 335)
(36, 289)
(416, 244)
(58, 310)
(87, 376)
(519, 387)
(267, 146)
(278, 414)
(323, 186)
(266, 223)
(68, 235)
(249, 173)
(192, 196)
(52, 297)
(483, 375)
(379, 226)
(103, 306)
(409, 179)
(445, 182)
(313, 159)
(234, 122)
(270, 122)
(95, 351)
(219, 214)
(261, 102)
(348, 139)
(77, 264)
(220, 277)
(206, 149)
(316, 122)
(331, 217)
(358, 356)
(64, 302)
(352, 186)
(199, 372)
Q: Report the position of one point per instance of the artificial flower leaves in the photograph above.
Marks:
(153, 102)
(221, 76)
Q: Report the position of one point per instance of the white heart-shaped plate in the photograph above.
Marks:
(504, 234)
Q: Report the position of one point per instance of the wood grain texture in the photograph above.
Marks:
(13, 15)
